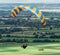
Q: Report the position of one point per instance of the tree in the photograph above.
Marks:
(0, 36)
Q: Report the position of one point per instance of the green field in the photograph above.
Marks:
(32, 49)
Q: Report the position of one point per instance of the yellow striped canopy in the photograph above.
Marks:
(34, 10)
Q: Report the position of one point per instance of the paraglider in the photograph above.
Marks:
(34, 10)
(40, 16)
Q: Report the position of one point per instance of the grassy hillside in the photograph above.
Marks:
(32, 49)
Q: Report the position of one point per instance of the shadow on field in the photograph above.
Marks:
(49, 54)
(9, 50)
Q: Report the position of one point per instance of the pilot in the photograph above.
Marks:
(24, 45)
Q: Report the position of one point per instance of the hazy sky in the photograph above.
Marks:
(29, 1)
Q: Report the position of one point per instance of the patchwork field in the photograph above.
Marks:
(32, 49)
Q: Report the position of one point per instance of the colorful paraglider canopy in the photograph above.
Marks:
(34, 10)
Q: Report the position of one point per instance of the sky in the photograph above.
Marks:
(29, 1)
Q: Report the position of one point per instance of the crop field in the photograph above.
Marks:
(32, 49)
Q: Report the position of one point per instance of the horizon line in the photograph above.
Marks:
(30, 3)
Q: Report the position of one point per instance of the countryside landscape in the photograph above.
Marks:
(41, 40)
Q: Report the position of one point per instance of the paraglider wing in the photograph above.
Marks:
(38, 13)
